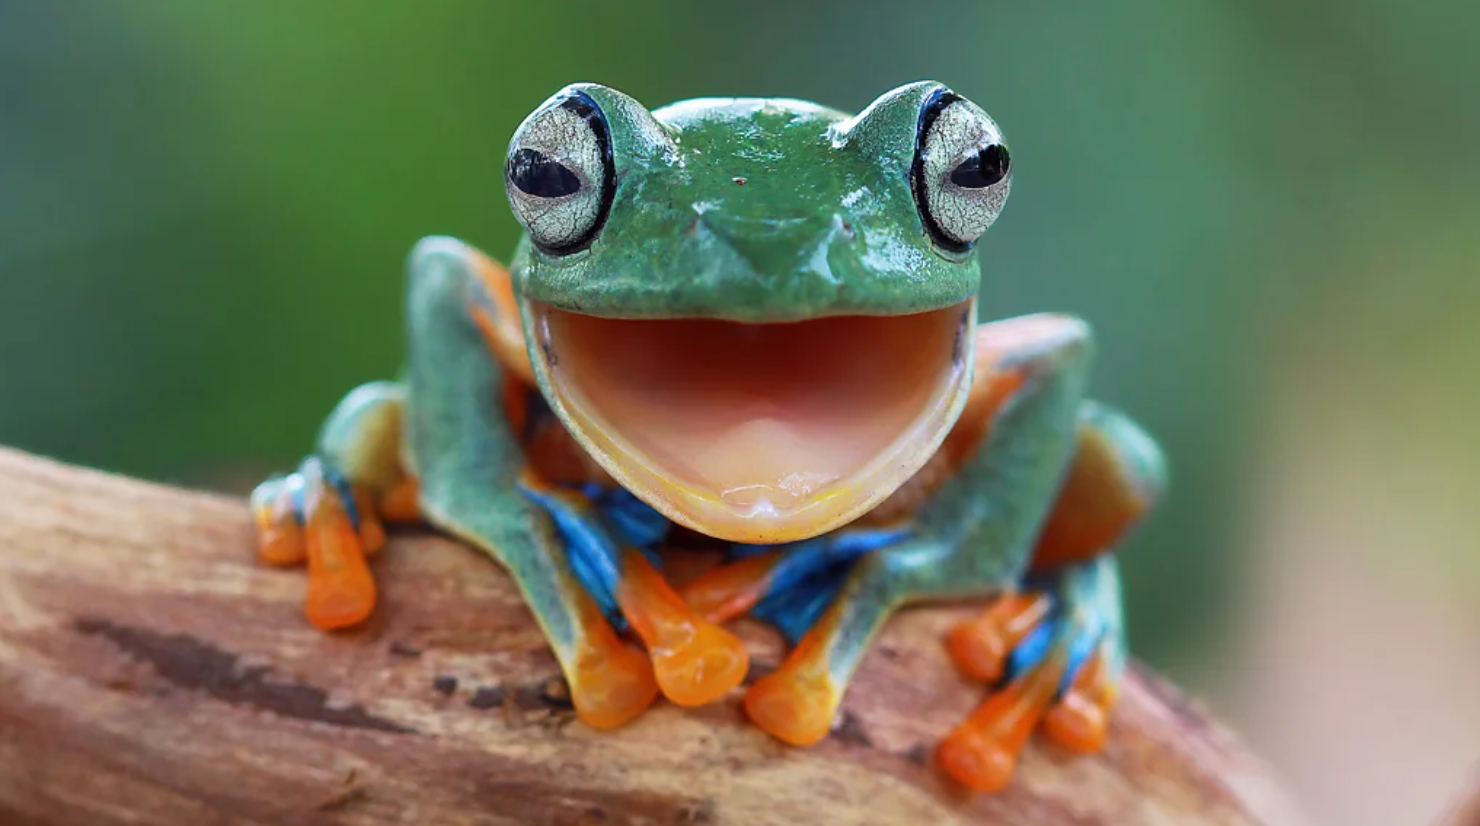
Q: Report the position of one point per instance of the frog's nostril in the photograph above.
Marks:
(844, 226)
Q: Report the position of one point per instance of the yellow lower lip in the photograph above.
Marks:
(759, 433)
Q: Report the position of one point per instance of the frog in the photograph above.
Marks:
(755, 320)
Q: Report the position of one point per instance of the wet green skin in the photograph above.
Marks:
(824, 223)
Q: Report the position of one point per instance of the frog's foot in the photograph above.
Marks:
(608, 536)
(827, 596)
(791, 587)
(1054, 656)
(329, 512)
(313, 515)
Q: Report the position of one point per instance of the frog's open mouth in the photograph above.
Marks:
(759, 432)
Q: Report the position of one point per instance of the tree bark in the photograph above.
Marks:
(152, 673)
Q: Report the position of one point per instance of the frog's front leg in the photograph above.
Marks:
(328, 512)
(971, 538)
(575, 567)
(612, 539)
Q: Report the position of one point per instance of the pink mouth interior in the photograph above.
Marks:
(763, 418)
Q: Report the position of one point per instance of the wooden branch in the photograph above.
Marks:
(151, 673)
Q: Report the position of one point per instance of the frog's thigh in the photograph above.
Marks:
(974, 534)
(469, 462)
(1117, 474)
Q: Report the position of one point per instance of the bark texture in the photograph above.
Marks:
(152, 673)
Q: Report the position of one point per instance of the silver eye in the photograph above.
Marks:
(559, 173)
(962, 170)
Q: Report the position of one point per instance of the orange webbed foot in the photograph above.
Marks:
(1053, 658)
(1080, 721)
(794, 706)
(732, 589)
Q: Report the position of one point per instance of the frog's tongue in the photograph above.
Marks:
(759, 432)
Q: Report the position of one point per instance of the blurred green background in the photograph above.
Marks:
(204, 208)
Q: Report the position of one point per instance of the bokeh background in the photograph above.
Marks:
(1269, 210)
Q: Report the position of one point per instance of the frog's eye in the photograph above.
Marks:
(559, 173)
(962, 170)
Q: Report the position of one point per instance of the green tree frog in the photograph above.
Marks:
(755, 319)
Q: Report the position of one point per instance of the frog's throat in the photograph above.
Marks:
(757, 433)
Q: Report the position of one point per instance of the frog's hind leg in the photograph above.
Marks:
(328, 513)
(1055, 650)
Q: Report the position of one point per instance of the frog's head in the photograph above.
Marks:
(756, 314)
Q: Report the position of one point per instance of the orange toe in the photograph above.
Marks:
(980, 765)
(983, 751)
(704, 668)
(794, 705)
(279, 536)
(280, 545)
(372, 532)
(1077, 724)
(1080, 721)
(612, 682)
(340, 601)
(979, 647)
(341, 591)
(730, 590)
(401, 503)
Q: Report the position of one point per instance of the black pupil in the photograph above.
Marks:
(987, 167)
(541, 176)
